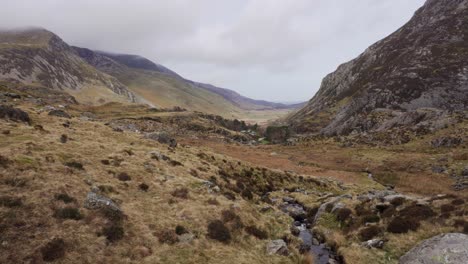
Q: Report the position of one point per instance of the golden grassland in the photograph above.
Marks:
(37, 158)
(36, 171)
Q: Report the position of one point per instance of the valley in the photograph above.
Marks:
(113, 158)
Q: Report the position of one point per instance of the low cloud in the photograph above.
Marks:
(267, 49)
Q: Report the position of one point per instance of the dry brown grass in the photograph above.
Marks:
(39, 159)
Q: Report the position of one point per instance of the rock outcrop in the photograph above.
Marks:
(446, 248)
(416, 78)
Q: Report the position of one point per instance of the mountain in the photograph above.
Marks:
(138, 62)
(37, 56)
(416, 78)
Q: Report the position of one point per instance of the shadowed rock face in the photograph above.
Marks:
(417, 74)
(445, 248)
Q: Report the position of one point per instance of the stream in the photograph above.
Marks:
(320, 251)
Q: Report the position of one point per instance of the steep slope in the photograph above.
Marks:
(245, 103)
(37, 56)
(416, 78)
(162, 87)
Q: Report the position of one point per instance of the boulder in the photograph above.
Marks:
(451, 248)
(59, 113)
(374, 243)
(14, 114)
(94, 200)
(163, 138)
(277, 247)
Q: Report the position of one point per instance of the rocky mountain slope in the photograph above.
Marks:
(153, 70)
(416, 79)
(37, 56)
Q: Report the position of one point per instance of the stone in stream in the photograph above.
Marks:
(450, 248)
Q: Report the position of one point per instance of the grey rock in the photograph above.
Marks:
(186, 238)
(374, 243)
(59, 113)
(94, 201)
(163, 138)
(451, 248)
(277, 247)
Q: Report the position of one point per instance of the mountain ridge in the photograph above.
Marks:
(415, 77)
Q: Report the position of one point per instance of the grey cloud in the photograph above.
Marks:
(266, 49)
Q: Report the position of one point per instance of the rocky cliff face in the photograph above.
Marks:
(37, 56)
(415, 78)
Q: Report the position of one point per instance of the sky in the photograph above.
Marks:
(277, 50)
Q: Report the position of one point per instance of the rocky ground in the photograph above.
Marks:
(126, 183)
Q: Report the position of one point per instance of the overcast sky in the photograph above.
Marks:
(266, 49)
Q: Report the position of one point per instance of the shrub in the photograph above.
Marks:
(362, 209)
(167, 236)
(180, 230)
(74, 165)
(123, 176)
(256, 232)
(212, 201)
(113, 232)
(458, 202)
(389, 212)
(446, 208)
(218, 231)
(53, 250)
(369, 232)
(417, 212)
(68, 213)
(231, 218)
(342, 214)
(371, 218)
(401, 225)
(181, 193)
(4, 161)
(15, 182)
(143, 186)
(113, 216)
(229, 195)
(9, 201)
(247, 194)
(64, 197)
(397, 201)
(106, 188)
